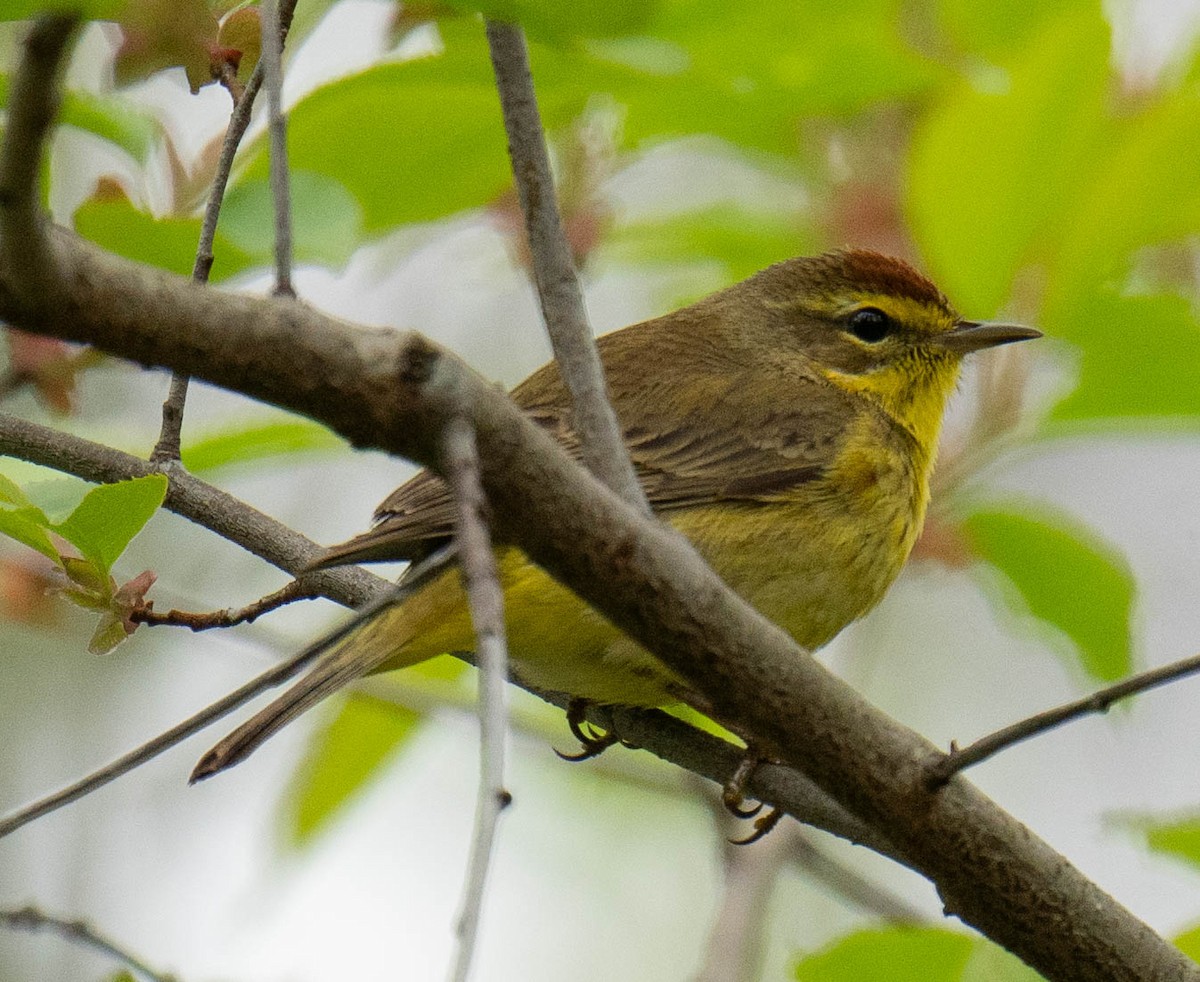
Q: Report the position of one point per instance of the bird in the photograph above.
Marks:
(786, 425)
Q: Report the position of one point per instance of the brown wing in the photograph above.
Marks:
(720, 436)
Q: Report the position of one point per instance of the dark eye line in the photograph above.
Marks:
(870, 324)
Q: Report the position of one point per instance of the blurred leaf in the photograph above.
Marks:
(410, 142)
(709, 68)
(11, 493)
(1062, 573)
(744, 241)
(243, 443)
(1178, 837)
(241, 31)
(555, 20)
(88, 9)
(162, 34)
(108, 116)
(1143, 194)
(122, 976)
(326, 219)
(993, 29)
(913, 954)
(1138, 360)
(1189, 943)
(110, 515)
(736, 71)
(992, 172)
(168, 243)
(341, 759)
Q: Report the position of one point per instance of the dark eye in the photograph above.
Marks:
(870, 324)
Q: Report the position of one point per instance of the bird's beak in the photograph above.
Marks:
(968, 336)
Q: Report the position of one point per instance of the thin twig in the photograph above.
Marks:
(169, 443)
(957, 760)
(193, 499)
(272, 60)
(420, 575)
(230, 617)
(81, 933)
(561, 298)
(485, 598)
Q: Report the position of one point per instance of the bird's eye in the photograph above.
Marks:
(870, 324)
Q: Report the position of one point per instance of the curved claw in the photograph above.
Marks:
(593, 747)
(734, 807)
(594, 742)
(762, 826)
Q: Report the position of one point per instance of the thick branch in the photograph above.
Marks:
(398, 392)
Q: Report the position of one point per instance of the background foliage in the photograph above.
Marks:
(1034, 170)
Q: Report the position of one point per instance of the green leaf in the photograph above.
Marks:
(913, 954)
(110, 632)
(1178, 837)
(994, 29)
(108, 116)
(736, 71)
(744, 242)
(88, 9)
(1189, 943)
(898, 954)
(410, 142)
(1138, 361)
(993, 169)
(110, 515)
(28, 525)
(11, 493)
(1141, 195)
(1063, 574)
(168, 243)
(326, 219)
(241, 444)
(556, 20)
(342, 759)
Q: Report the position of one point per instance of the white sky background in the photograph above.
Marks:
(593, 881)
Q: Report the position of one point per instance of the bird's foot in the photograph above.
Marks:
(733, 796)
(594, 741)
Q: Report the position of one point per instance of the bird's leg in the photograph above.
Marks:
(594, 741)
(733, 796)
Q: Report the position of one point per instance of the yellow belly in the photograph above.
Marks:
(809, 563)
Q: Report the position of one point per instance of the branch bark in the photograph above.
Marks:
(563, 309)
(399, 391)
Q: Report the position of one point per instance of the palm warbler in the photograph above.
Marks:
(786, 425)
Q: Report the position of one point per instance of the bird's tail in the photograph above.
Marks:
(381, 640)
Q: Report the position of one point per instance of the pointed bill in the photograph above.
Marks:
(968, 336)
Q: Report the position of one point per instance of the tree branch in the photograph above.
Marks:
(1098, 702)
(168, 446)
(399, 391)
(485, 598)
(81, 933)
(563, 310)
(290, 592)
(272, 61)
